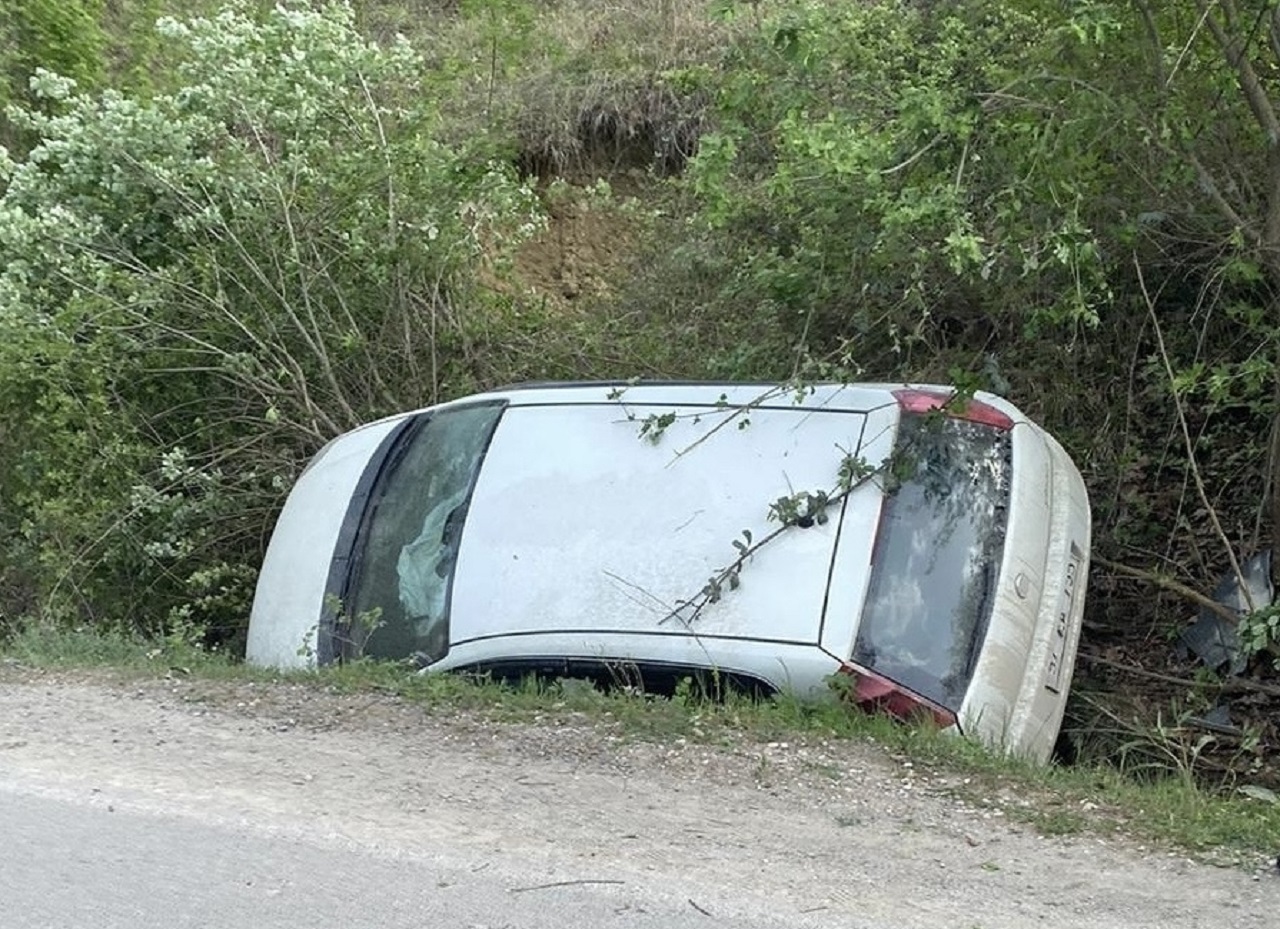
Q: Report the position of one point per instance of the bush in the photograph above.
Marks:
(201, 287)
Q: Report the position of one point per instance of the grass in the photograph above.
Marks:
(577, 86)
(1170, 809)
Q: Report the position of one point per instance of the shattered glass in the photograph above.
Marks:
(409, 540)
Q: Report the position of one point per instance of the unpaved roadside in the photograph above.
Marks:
(815, 834)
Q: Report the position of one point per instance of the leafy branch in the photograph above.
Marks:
(802, 509)
(654, 426)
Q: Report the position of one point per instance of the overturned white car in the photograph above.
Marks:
(934, 548)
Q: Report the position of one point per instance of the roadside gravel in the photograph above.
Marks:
(820, 833)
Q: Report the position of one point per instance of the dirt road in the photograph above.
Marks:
(816, 834)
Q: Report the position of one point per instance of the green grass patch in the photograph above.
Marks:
(40, 645)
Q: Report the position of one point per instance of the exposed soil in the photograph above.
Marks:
(579, 253)
(821, 833)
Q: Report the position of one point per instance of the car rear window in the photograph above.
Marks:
(397, 593)
(937, 555)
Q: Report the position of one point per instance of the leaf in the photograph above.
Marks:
(724, 10)
(787, 41)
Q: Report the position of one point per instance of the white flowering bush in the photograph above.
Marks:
(283, 245)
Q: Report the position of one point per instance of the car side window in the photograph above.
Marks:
(398, 587)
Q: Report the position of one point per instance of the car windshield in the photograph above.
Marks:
(937, 555)
(397, 597)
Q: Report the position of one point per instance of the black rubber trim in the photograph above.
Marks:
(338, 581)
(659, 677)
(744, 409)
(555, 385)
(465, 508)
(652, 633)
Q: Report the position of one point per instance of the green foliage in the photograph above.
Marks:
(352, 632)
(804, 508)
(1259, 633)
(200, 287)
(504, 32)
(654, 426)
(65, 36)
(876, 164)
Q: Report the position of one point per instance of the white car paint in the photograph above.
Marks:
(1010, 702)
(583, 539)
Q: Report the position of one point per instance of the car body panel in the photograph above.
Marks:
(624, 529)
(599, 512)
(1017, 698)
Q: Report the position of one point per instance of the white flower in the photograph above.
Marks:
(45, 85)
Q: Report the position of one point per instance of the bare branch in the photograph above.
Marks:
(705, 598)
(1210, 187)
(312, 332)
(912, 159)
(1186, 48)
(1231, 41)
(1231, 685)
(1189, 444)
(688, 611)
(1170, 584)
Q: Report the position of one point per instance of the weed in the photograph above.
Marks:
(51, 646)
(1059, 822)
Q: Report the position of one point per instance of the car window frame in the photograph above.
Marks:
(333, 638)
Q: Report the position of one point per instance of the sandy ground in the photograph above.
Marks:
(810, 834)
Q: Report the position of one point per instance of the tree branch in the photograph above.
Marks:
(1169, 584)
(1233, 45)
(1274, 31)
(1231, 685)
(1190, 445)
(1157, 45)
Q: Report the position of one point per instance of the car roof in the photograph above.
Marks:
(830, 396)
(825, 395)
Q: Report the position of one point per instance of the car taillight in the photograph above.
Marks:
(874, 693)
(913, 400)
